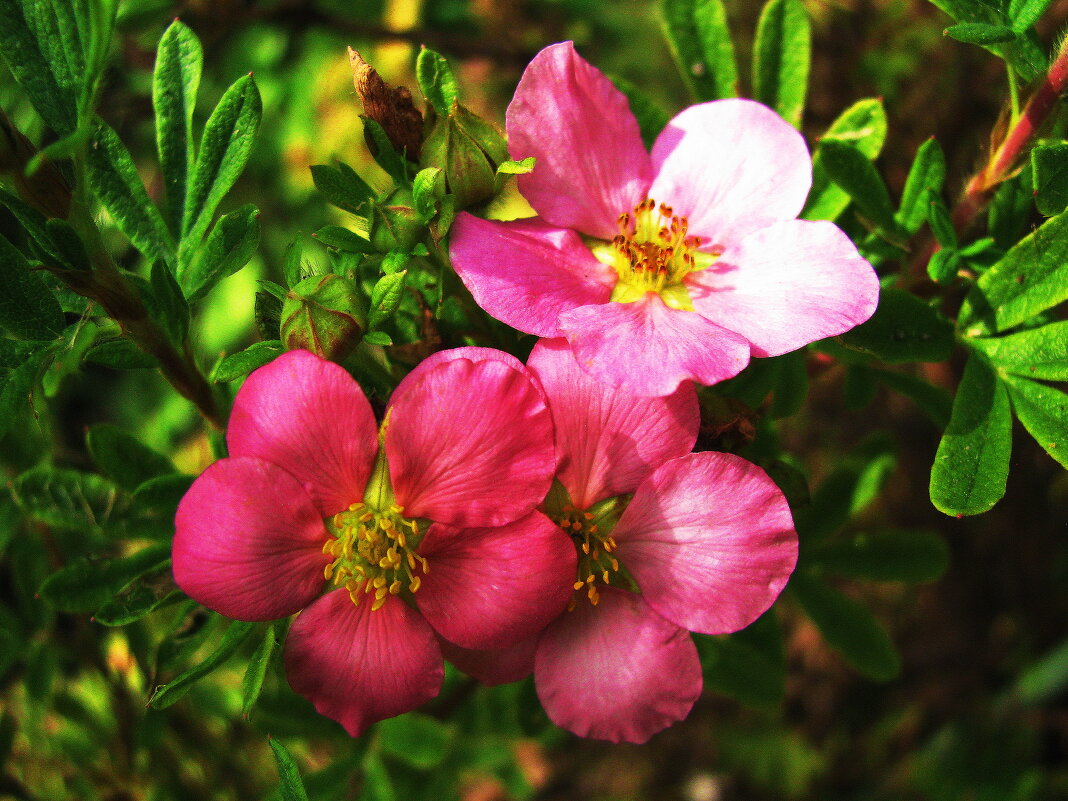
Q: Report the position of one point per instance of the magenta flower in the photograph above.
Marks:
(419, 539)
(666, 266)
(667, 541)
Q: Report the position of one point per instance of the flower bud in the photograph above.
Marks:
(395, 224)
(324, 314)
(469, 149)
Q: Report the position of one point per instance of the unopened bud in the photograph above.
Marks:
(468, 149)
(395, 224)
(389, 106)
(325, 314)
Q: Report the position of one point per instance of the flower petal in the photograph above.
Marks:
(710, 541)
(730, 167)
(470, 444)
(492, 587)
(616, 671)
(359, 666)
(592, 165)
(308, 416)
(607, 442)
(646, 348)
(471, 354)
(494, 667)
(786, 285)
(248, 541)
(526, 273)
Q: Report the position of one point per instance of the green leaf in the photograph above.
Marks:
(124, 458)
(240, 364)
(417, 740)
(342, 188)
(28, 310)
(57, 37)
(175, 81)
(425, 191)
(1031, 277)
(436, 80)
(166, 303)
(1024, 53)
(944, 265)
(177, 687)
(334, 236)
(939, 220)
(980, 33)
(749, 665)
(224, 150)
(850, 169)
(1043, 411)
(230, 245)
(385, 155)
(120, 354)
(378, 338)
(291, 266)
(84, 586)
(859, 386)
(1049, 164)
(1042, 681)
(68, 244)
(700, 41)
(1011, 210)
(67, 499)
(35, 224)
(862, 125)
(134, 603)
(934, 401)
(18, 387)
(652, 119)
(781, 57)
(115, 180)
(906, 555)
(252, 682)
(791, 385)
(1033, 353)
(29, 67)
(521, 167)
(1025, 13)
(972, 462)
(848, 627)
(903, 329)
(386, 297)
(291, 786)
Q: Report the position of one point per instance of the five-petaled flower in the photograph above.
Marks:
(432, 535)
(664, 266)
(667, 541)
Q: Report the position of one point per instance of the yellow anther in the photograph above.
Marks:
(578, 585)
(415, 583)
(411, 560)
(378, 604)
(381, 592)
(587, 515)
(384, 562)
(401, 539)
(354, 597)
(379, 581)
(395, 587)
(604, 577)
(368, 586)
(328, 571)
(366, 516)
(352, 584)
(328, 547)
(354, 506)
(615, 564)
(396, 509)
(591, 578)
(338, 519)
(586, 547)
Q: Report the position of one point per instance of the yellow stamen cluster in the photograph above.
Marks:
(373, 552)
(595, 563)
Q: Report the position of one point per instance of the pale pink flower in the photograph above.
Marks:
(706, 543)
(666, 266)
(426, 539)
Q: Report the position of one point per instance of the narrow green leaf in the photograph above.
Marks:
(120, 354)
(224, 150)
(749, 665)
(230, 245)
(127, 461)
(944, 265)
(905, 555)
(252, 682)
(1049, 164)
(175, 81)
(859, 387)
(926, 175)
(67, 499)
(939, 220)
(1011, 210)
(1043, 411)
(1031, 277)
(521, 167)
(68, 244)
(903, 329)
(134, 603)
(436, 80)
(84, 586)
(291, 266)
(781, 58)
(378, 338)
(850, 169)
(291, 786)
(385, 155)
(24, 57)
(17, 389)
(36, 226)
(238, 365)
(28, 310)
(1025, 13)
(1033, 353)
(57, 38)
(934, 401)
(115, 180)
(167, 304)
(1044, 680)
(177, 687)
(791, 384)
(346, 190)
(425, 189)
(417, 740)
(980, 33)
(652, 119)
(700, 40)
(334, 236)
(386, 297)
(972, 463)
(862, 125)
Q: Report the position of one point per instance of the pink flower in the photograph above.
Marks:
(419, 539)
(666, 266)
(667, 541)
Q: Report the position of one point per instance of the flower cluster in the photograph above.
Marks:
(548, 518)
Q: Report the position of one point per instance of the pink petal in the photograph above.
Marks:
(616, 671)
(730, 167)
(526, 273)
(646, 348)
(494, 667)
(492, 587)
(607, 442)
(786, 285)
(470, 444)
(308, 416)
(592, 165)
(248, 541)
(357, 666)
(471, 354)
(710, 541)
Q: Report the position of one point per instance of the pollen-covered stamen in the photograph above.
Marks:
(653, 247)
(373, 552)
(596, 564)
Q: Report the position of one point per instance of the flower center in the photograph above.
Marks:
(374, 552)
(654, 253)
